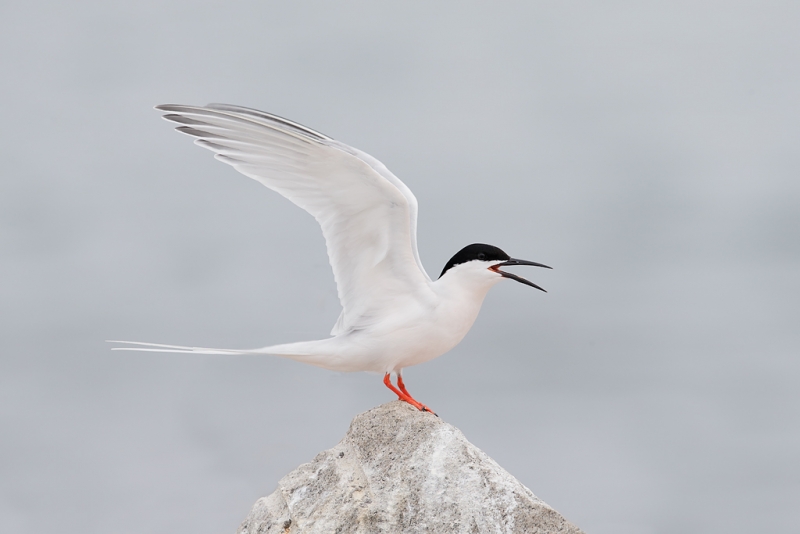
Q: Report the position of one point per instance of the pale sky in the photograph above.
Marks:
(647, 151)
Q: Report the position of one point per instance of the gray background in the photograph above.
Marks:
(647, 150)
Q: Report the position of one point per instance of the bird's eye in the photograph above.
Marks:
(481, 256)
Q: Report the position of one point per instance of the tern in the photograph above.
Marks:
(393, 314)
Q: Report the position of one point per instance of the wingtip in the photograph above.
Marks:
(176, 108)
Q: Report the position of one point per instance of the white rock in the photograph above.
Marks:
(401, 470)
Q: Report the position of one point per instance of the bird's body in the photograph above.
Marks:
(394, 315)
(419, 330)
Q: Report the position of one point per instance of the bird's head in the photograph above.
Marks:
(481, 264)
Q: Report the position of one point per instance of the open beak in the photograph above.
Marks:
(512, 261)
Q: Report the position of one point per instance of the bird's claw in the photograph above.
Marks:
(404, 395)
(426, 409)
(418, 405)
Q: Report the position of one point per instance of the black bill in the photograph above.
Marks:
(511, 262)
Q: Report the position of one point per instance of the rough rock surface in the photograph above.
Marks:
(401, 470)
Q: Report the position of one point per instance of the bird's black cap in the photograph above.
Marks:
(476, 251)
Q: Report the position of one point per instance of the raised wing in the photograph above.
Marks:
(368, 216)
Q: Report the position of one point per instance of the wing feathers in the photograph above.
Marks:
(367, 215)
(269, 116)
(211, 116)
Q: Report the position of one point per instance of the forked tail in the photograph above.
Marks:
(317, 353)
(158, 347)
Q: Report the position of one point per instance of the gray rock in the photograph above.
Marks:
(401, 470)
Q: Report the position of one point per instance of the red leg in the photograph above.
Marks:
(404, 394)
(401, 385)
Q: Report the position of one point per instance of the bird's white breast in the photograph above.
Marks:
(417, 331)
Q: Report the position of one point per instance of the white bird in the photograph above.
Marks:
(393, 315)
